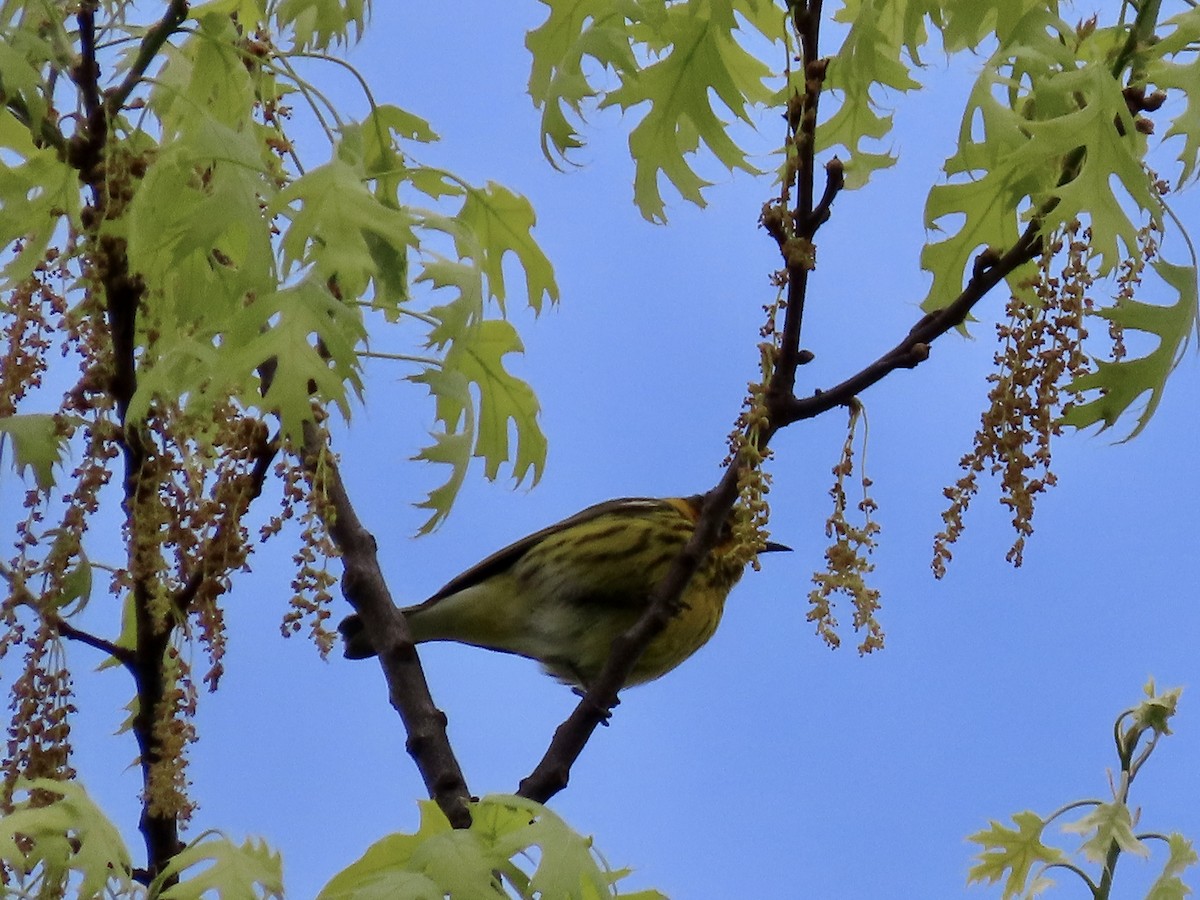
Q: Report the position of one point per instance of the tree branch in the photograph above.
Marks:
(176, 14)
(990, 270)
(264, 455)
(122, 294)
(364, 587)
(122, 655)
(86, 73)
(795, 243)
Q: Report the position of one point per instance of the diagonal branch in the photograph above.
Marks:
(176, 14)
(364, 587)
(990, 270)
(123, 655)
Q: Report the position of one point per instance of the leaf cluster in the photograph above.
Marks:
(1020, 857)
(514, 848)
(57, 839)
(671, 58)
(256, 273)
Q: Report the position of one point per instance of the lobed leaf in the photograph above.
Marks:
(1181, 856)
(1164, 72)
(381, 131)
(697, 56)
(964, 26)
(474, 357)
(1157, 710)
(575, 30)
(440, 861)
(37, 444)
(39, 191)
(1012, 853)
(870, 57)
(675, 58)
(321, 24)
(247, 12)
(311, 338)
(68, 836)
(1106, 824)
(495, 221)
(343, 231)
(215, 866)
(1046, 128)
(1119, 384)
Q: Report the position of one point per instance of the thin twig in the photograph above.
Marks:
(990, 270)
(159, 34)
(122, 655)
(264, 455)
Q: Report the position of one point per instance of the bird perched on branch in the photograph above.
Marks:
(563, 594)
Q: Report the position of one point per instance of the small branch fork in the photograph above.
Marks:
(792, 229)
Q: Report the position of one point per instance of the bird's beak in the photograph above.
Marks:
(772, 547)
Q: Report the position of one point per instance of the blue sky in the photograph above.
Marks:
(767, 766)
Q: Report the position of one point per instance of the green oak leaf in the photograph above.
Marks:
(697, 57)
(215, 865)
(1118, 384)
(1107, 823)
(67, 838)
(1174, 39)
(1010, 854)
(497, 221)
(320, 24)
(1168, 885)
(37, 444)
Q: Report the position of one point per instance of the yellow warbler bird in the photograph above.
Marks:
(563, 594)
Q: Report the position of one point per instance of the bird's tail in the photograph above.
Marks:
(356, 643)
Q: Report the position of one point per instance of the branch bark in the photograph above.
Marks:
(152, 43)
(364, 587)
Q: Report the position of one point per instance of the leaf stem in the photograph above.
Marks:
(400, 357)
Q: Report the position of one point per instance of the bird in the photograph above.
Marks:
(561, 595)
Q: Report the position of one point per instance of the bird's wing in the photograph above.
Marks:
(505, 558)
